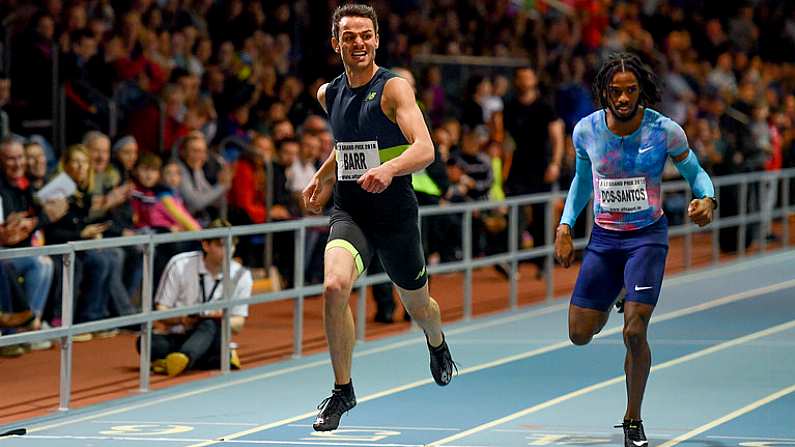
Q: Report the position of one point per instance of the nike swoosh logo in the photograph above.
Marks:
(640, 443)
(645, 149)
(638, 289)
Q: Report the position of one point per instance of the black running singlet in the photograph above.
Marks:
(364, 138)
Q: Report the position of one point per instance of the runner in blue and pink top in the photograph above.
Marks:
(621, 152)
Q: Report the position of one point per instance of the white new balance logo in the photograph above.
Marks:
(639, 288)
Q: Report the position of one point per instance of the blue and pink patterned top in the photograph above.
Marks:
(627, 171)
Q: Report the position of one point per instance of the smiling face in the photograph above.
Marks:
(77, 165)
(623, 95)
(12, 157)
(357, 42)
(37, 161)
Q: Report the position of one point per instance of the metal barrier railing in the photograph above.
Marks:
(68, 329)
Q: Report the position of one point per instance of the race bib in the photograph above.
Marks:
(354, 159)
(623, 195)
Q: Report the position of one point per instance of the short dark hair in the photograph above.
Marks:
(148, 160)
(285, 141)
(220, 223)
(352, 10)
(623, 62)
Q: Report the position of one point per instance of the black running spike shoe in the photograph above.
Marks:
(634, 436)
(331, 410)
(442, 364)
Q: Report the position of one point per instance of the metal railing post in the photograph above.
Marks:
(785, 191)
(268, 255)
(743, 212)
(716, 230)
(549, 261)
(467, 245)
(298, 283)
(765, 218)
(147, 287)
(67, 307)
(513, 246)
(226, 328)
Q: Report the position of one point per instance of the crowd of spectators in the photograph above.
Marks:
(180, 112)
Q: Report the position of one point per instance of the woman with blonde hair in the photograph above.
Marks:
(92, 267)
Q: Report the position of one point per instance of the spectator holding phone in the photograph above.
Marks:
(92, 267)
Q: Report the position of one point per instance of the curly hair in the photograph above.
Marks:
(623, 62)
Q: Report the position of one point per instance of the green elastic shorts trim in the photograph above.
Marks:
(342, 243)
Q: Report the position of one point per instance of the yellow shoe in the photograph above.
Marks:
(159, 366)
(80, 338)
(11, 351)
(234, 359)
(176, 362)
(108, 333)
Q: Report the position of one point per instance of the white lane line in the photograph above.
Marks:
(183, 440)
(620, 379)
(753, 438)
(244, 424)
(232, 441)
(493, 322)
(292, 369)
(733, 415)
(524, 355)
(383, 427)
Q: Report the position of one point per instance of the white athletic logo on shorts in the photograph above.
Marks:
(623, 195)
(356, 158)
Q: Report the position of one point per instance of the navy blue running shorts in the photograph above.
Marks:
(397, 243)
(632, 259)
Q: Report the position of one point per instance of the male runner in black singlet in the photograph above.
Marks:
(381, 139)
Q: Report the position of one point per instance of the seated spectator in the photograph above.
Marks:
(171, 207)
(191, 278)
(157, 207)
(125, 154)
(110, 199)
(36, 165)
(144, 122)
(92, 267)
(106, 176)
(282, 129)
(204, 191)
(21, 218)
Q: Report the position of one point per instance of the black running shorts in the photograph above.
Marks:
(397, 244)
